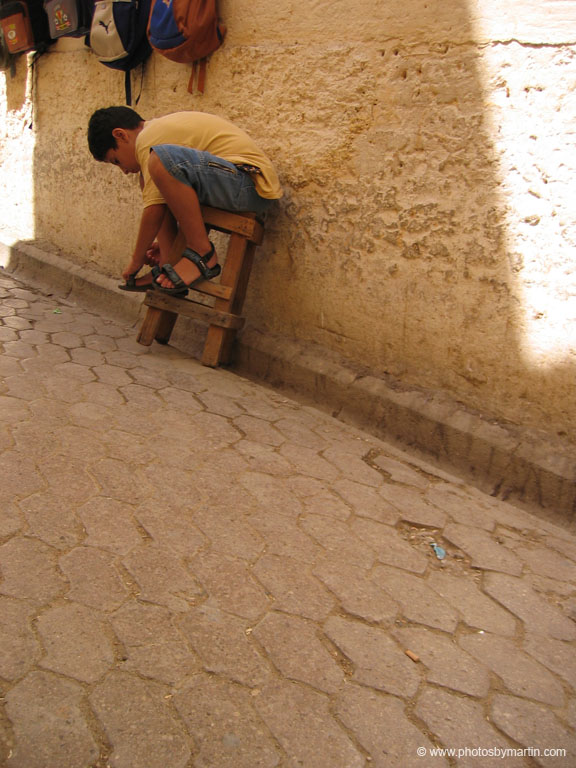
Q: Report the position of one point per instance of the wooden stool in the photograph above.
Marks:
(224, 318)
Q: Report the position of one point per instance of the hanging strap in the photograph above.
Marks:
(200, 67)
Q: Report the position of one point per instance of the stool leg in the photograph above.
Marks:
(236, 273)
(165, 327)
(150, 326)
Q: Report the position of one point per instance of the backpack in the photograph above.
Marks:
(186, 31)
(16, 27)
(70, 18)
(118, 36)
(6, 58)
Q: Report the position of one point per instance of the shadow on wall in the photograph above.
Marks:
(425, 233)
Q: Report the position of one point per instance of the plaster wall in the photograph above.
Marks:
(427, 153)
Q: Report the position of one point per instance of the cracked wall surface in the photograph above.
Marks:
(426, 150)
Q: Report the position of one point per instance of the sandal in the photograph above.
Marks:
(180, 288)
(130, 285)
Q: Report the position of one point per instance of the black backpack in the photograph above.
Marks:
(118, 36)
(68, 18)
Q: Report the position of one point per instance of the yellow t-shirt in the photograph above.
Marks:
(207, 133)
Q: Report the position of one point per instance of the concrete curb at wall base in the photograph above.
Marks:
(525, 467)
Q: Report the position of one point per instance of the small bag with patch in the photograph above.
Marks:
(186, 31)
(68, 18)
(16, 27)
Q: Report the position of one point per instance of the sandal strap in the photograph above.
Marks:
(202, 262)
(173, 276)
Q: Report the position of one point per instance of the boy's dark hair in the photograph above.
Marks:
(103, 122)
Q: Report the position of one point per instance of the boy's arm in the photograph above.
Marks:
(150, 222)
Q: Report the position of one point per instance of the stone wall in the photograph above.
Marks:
(426, 149)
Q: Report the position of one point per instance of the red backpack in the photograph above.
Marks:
(186, 31)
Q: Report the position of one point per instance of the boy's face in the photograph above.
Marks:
(124, 156)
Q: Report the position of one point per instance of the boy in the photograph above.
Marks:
(185, 160)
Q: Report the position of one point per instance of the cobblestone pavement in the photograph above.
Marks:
(198, 571)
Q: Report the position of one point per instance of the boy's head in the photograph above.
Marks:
(111, 136)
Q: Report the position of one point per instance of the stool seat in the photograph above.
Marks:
(224, 318)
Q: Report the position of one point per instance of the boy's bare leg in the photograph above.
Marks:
(183, 202)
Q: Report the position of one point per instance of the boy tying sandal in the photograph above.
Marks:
(185, 160)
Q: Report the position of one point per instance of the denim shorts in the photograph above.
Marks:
(218, 182)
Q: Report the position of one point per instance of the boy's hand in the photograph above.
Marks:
(153, 255)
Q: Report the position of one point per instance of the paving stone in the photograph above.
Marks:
(214, 431)
(50, 519)
(557, 656)
(565, 547)
(356, 593)
(223, 643)
(224, 725)
(19, 649)
(227, 534)
(77, 642)
(162, 579)
(94, 579)
(353, 467)
(548, 563)
(460, 723)
(380, 725)
(520, 673)
(445, 661)
(283, 536)
(222, 406)
(293, 588)
(49, 726)
(10, 366)
(484, 551)
(23, 386)
(412, 506)
(400, 472)
(76, 371)
(366, 501)
(36, 440)
(460, 508)
(100, 343)
(308, 463)
(417, 601)
(301, 722)
(109, 524)
(7, 334)
(69, 477)
(298, 433)
(182, 536)
(338, 540)
(63, 389)
(230, 585)
(147, 734)
(271, 493)
(111, 374)
(534, 727)
(258, 430)
(105, 394)
(475, 607)
(328, 505)
(11, 521)
(294, 647)
(122, 482)
(29, 570)
(263, 458)
(377, 660)
(389, 546)
(20, 476)
(539, 616)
